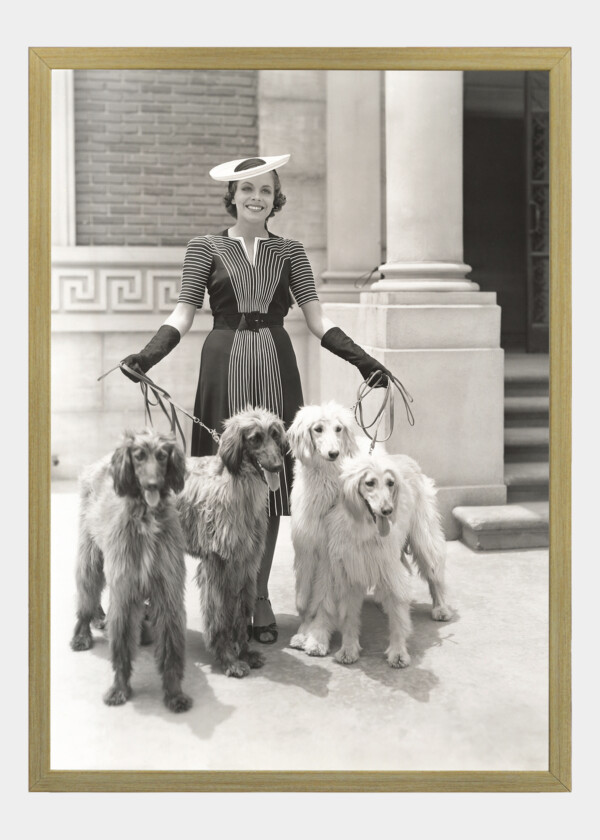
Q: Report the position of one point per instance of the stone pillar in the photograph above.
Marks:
(424, 152)
(63, 159)
(424, 320)
(354, 182)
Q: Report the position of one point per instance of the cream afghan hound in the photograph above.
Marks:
(385, 501)
(320, 437)
(224, 514)
(130, 537)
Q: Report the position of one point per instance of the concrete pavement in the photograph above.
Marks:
(475, 696)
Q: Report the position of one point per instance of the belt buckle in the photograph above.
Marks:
(250, 321)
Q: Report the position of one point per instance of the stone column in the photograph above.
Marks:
(424, 153)
(424, 320)
(354, 182)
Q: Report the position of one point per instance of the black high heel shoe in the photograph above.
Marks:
(269, 630)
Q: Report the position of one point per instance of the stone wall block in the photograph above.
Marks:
(76, 363)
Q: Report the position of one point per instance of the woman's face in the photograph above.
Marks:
(254, 198)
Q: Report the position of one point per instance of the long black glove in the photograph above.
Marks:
(336, 341)
(157, 348)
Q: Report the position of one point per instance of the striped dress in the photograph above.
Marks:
(241, 367)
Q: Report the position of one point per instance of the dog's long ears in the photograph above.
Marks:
(300, 440)
(176, 469)
(231, 446)
(122, 469)
(351, 497)
(350, 446)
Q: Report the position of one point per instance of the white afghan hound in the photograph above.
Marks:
(385, 501)
(320, 437)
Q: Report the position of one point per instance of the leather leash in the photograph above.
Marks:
(364, 389)
(160, 395)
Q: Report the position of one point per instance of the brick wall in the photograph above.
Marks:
(144, 142)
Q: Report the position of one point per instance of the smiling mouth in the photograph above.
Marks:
(254, 207)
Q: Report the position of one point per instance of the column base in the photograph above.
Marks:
(345, 286)
(424, 276)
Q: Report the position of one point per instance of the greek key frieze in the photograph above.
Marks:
(113, 290)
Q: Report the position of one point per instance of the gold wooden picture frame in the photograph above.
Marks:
(557, 61)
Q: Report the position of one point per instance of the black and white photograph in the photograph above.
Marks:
(300, 336)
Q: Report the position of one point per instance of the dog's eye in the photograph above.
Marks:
(256, 437)
(139, 455)
(370, 482)
(318, 429)
(161, 455)
(390, 482)
(338, 428)
(274, 434)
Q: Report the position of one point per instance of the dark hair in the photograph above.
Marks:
(278, 199)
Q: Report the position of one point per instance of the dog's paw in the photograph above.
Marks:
(298, 641)
(178, 702)
(254, 659)
(398, 660)
(237, 669)
(82, 641)
(116, 696)
(346, 656)
(441, 613)
(314, 648)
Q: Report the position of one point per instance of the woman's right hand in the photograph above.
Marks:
(159, 346)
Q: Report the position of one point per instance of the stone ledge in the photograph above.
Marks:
(489, 527)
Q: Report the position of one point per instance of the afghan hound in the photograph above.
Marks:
(320, 437)
(130, 537)
(384, 501)
(224, 514)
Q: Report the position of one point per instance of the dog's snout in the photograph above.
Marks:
(387, 510)
(333, 454)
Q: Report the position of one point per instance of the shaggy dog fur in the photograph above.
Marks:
(224, 514)
(384, 501)
(319, 438)
(131, 538)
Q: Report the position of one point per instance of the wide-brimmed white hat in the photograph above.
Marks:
(227, 171)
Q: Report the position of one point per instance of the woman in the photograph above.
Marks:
(250, 275)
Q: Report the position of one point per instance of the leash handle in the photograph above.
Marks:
(365, 388)
(146, 385)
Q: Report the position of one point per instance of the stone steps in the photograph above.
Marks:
(527, 480)
(526, 410)
(526, 443)
(523, 521)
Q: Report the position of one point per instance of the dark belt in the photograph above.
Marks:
(246, 321)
